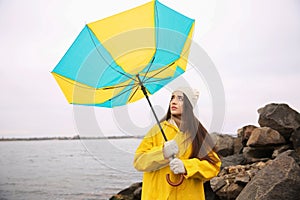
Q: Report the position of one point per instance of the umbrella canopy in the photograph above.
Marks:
(112, 59)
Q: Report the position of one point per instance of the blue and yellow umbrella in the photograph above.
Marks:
(102, 66)
(125, 57)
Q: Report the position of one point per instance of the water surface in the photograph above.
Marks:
(66, 169)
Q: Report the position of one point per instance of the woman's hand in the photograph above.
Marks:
(170, 149)
(177, 166)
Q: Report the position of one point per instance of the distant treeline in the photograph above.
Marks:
(76, 137)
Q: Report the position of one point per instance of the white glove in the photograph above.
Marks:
(170, 149)
(177, 166)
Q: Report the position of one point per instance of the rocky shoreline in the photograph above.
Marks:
(260, 163)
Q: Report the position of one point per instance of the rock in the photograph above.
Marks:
(209, 193)
(235, 159)
(237, 145)
(279, 117)
(242, 178)
(133, 192)
(222, 193)
(295, 139)
(245, 132)
(116, 197)
(279, 150)
(235, 169)
(264, 136)
(224, 144)
(257, 154)
(233, 191)
(229, 192)
(217, 183)
(278, 180)
(231, 180)
(137, 193)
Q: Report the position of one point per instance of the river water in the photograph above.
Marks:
(66, 169)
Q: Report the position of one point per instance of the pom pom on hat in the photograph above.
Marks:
(191, 93)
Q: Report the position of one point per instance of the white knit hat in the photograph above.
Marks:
(191, 93)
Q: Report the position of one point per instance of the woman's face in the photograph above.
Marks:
(176, 103)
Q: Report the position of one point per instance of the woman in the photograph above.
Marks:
(188, 141)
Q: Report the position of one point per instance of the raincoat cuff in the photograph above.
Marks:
(201, 169)
(191, 168)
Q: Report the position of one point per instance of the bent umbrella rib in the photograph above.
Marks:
(150, 65)
(76, 83)
(131, 96)
(163, 69)
(123, 92)
(119, 86)
(155, 81)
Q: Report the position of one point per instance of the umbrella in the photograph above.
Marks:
(125, 57)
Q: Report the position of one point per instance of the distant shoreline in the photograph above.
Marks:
(77, 137)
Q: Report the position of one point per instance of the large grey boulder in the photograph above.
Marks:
(264, 136)
(279, 117)
(256, 154)
(278, 180)
(236, 159)
(224, 144)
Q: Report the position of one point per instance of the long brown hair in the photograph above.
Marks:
(202, 143)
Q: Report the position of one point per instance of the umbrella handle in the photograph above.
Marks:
(174, 184)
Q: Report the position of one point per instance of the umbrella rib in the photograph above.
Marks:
(157, 21)
(88, 87)
(131, 96)
(105, 59)
(123, 92)
(115, 87)
(158, 80)
(163, 69)
(77, 85)
(152, 60)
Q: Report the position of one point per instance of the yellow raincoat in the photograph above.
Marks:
(149, 159)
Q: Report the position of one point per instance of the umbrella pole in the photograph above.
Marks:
(181, 178)
(149, 102)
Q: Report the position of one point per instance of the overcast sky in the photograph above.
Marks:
(254, 45)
